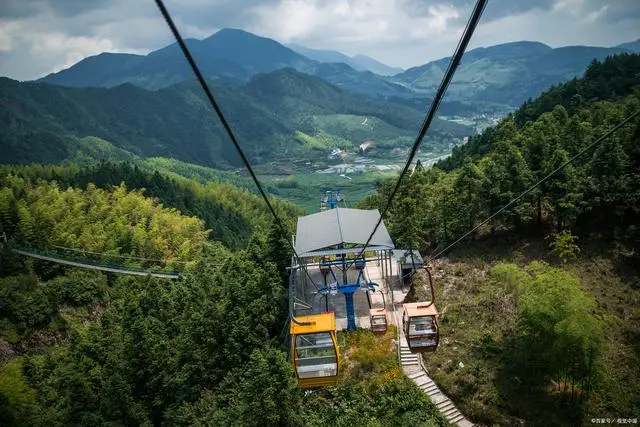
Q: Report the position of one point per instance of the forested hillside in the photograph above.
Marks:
(612, 79)
(87, 348)
(230, 214)
(541, 303)
(43, 123)
(107, 221)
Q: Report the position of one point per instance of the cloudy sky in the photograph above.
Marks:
(41, 36)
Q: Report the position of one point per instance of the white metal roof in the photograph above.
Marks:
(340, 226)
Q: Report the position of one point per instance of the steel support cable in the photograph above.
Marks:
(540, 182)
(118, 255)
(451, 69)
(225, 124)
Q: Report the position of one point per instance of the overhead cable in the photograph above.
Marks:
(223, 120)
(448, 75)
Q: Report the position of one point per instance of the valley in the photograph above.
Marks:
(301, 182)
(306, 122)
(277, 116)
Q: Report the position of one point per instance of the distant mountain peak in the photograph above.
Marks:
(233, 30)
(236, 34)
(514, 49)
(632, 46)
(524, 43)
(357, 62)
(376, 66)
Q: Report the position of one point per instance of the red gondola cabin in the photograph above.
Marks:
(420, 325)
(378, 318)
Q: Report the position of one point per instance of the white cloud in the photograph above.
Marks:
(593, 16)
(67, 50)
(8, 31)
(356, 26)
(291, 19)
(557, 28)
(38, 36)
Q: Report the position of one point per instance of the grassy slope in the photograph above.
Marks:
(480, 316)
(364, 354)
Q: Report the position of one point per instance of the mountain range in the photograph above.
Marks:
(280, 115)
(506, 74)
(283, 105)
(230, 54)
(496, 78)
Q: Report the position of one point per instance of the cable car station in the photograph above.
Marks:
(329, 199)
(332, 274)
(346, 278)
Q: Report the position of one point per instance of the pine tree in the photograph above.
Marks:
(467, 192)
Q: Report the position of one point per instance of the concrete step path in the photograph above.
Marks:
(442, 402)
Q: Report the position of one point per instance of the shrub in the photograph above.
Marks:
(563, 245)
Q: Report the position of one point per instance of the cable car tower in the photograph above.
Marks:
(324, 284)
(330, 199)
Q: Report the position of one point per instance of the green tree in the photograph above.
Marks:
(406, 225)
(506, 176)
(26, 223)
(467, 193)
(264, 392)
(17, 400)
(609, 182)
(564, 189)
(561, 336)
(7, 212)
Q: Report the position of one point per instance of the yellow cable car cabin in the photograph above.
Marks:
(378, 318)
(420, 324)
(314, 350)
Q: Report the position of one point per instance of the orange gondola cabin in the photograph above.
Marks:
(378, 318)
(420, 325)
(314, 350)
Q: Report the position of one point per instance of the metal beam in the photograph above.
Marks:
(172, 276)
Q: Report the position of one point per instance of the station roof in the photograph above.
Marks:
(317, 233)
(414, 309)
(324, 322)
